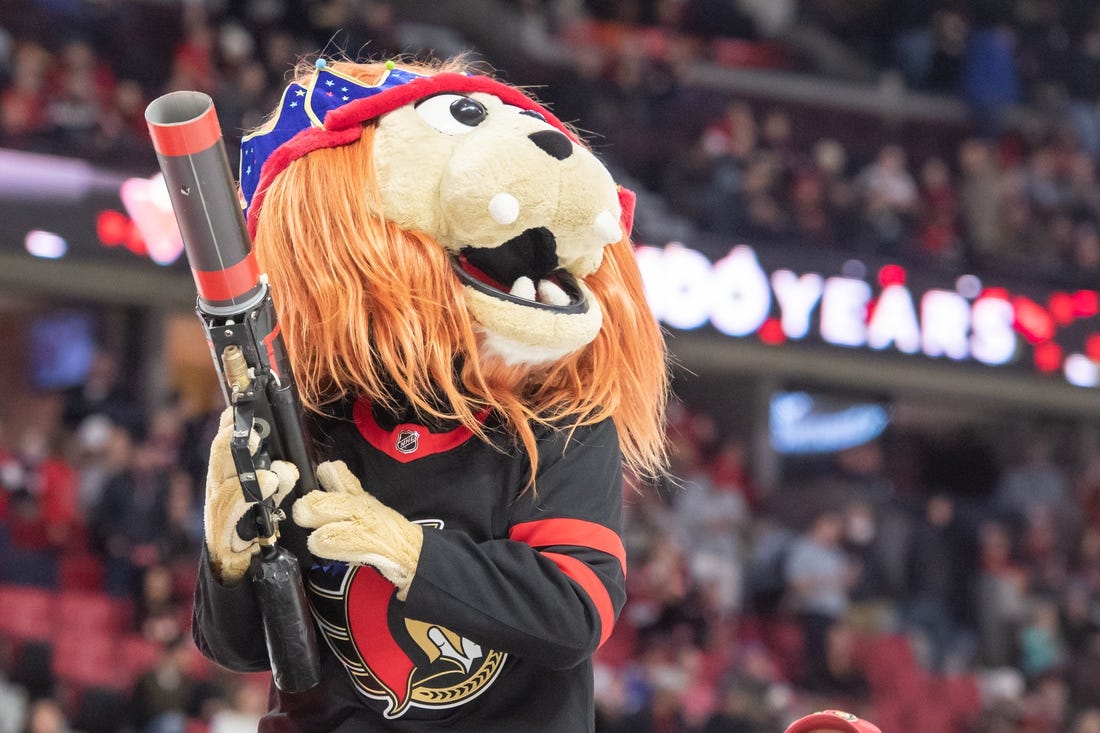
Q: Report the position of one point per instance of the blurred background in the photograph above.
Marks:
(869, 227)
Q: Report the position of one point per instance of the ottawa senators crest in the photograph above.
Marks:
(400, 662)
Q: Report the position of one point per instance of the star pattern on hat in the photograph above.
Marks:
(305, 107)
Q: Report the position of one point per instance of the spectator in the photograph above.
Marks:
(1084, 674)
(890, 199)
(937, 235)
(162, 696)
(81, 92)
(1077, 619)
(937, 581)
(247, 704)
(23, 118)
(1035, 482)
(1084, 86)
(13, 706)
(102, 393)
(1042, 648)
(739, 711)
(846, 678)
(46, 715)
(161, 613)
(663, 714)
(131, 518)
(1000, 596)
(1047, 705)
(712, 519)
(989, 76)
(42, 508)
(980, 200)
(819, 576)
(1087, 721)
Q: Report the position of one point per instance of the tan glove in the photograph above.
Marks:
(225, 504)
(352, 526)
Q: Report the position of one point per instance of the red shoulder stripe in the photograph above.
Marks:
(587, 579)
(576, 532)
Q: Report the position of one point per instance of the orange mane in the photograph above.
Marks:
(365, 304)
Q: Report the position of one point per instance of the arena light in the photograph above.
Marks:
(800, 424)
(146, 201)
(46, 245)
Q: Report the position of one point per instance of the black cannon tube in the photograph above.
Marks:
(191, 152)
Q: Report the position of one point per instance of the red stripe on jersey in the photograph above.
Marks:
(577, 532)
(587, 579)
(408, 441)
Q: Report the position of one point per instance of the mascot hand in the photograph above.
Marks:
(352, 526)
(230, 554)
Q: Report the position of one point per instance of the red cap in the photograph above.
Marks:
(837, 720)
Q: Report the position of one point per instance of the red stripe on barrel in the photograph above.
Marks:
(232, 282)
(189, 137)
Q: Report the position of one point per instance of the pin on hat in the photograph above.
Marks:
(832, 721)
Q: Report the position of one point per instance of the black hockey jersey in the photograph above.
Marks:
(514, 591)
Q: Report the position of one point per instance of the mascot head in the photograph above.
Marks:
(441, 236)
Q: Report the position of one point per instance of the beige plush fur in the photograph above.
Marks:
(442, 184)
(225, 503)
(543, 334)
(351, 525)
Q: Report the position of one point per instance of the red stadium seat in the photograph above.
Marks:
(620, 646)
(88, 659)
(962, 697)
(82, 571)
(136, 655)
(93, 612)
(890, 664)
(27, 613)
(195, 725)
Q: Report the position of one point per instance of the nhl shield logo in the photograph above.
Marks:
(407, 441)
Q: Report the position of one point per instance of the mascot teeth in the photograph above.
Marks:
(504, 208)
(607, 227)
(524, 288)
(551, 293)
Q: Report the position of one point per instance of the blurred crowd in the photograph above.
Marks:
(944, 583)
(100, 525)
(939, 582)
(955, 583)
(1014, 187)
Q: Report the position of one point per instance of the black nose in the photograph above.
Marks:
(552, 143)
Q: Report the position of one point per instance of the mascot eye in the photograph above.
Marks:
(452, 114)
(529, 112)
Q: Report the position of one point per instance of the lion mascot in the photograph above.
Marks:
(460, 303)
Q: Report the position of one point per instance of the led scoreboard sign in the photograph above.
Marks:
(882, 310)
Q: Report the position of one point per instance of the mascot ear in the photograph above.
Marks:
(627, 200)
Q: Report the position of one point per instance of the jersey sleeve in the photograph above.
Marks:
(551, 590)
(226, 625)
